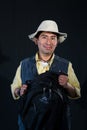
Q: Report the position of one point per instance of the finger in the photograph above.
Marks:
(23, 90)
(24, 86)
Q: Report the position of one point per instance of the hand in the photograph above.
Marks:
(23, 89)
(63, 79)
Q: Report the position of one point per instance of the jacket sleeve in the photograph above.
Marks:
(73, 79)
(16, 82)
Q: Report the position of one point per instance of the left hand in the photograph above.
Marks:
(62, 80)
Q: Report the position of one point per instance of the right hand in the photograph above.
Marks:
(21, 91)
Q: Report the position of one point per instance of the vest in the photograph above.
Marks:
(29, 70)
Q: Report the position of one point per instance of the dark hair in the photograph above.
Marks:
(38, 34)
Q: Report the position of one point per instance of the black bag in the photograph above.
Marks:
(44, 106)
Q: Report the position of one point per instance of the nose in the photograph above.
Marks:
(48, 41)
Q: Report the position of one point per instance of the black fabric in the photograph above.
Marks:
(83, 99)
(45, 104)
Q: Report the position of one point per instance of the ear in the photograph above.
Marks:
(35, 40)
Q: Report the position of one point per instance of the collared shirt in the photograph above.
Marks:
(43, 67)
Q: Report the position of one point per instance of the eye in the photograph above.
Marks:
(43, 36)
(53, 38)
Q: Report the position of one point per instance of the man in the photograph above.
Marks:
(47, 37)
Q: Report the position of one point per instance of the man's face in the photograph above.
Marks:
(47, 43)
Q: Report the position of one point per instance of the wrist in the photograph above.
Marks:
(67, 85)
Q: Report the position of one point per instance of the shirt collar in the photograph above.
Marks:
(38, 59)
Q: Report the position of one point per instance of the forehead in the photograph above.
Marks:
(48, 34)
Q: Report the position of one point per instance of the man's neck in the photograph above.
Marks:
(45, 58)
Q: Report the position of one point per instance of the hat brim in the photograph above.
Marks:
(62, 36)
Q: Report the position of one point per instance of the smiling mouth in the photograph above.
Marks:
(48, 48)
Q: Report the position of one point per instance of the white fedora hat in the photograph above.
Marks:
(49, 26)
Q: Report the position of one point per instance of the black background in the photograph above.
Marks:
(18, 19)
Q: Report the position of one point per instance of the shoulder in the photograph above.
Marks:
(28, 59)
(60, 59)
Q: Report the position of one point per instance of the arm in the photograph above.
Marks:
(70, 83)
(16, 85)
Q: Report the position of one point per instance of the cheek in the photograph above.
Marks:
(54, 47)
(39, 45)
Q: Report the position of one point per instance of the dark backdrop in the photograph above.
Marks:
(18, 19)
